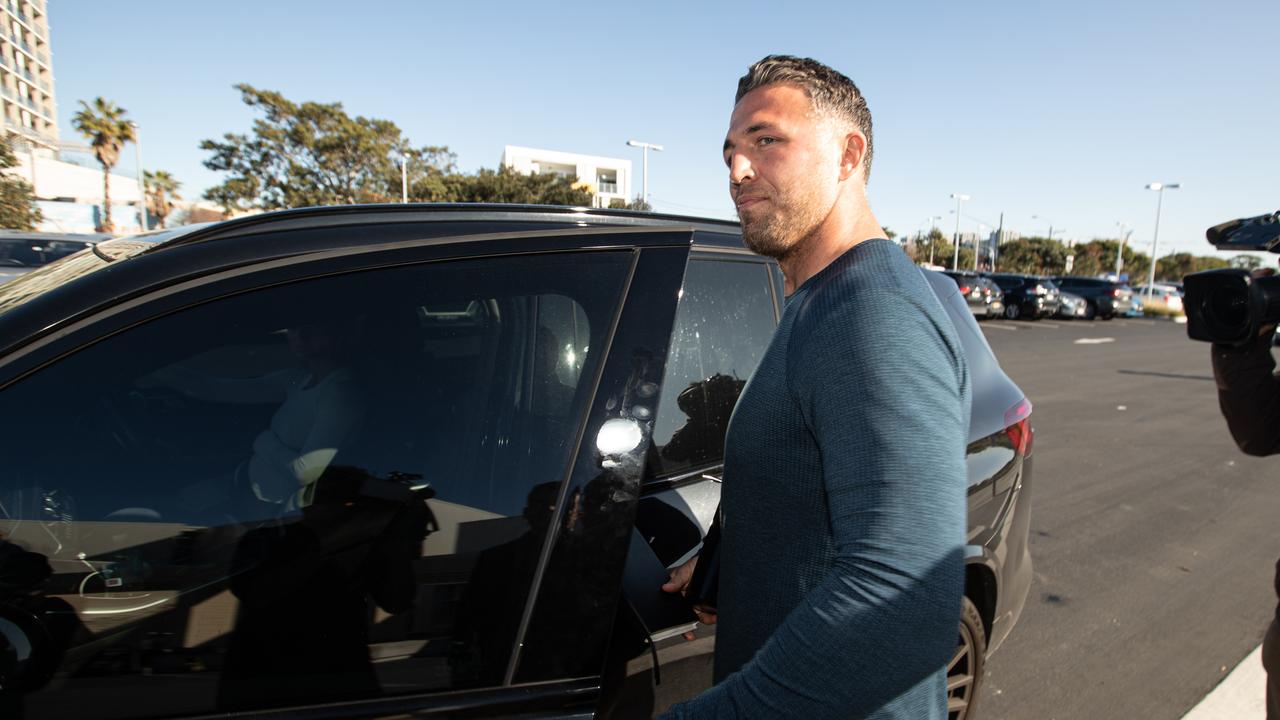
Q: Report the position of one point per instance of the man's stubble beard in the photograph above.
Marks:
(782, 232)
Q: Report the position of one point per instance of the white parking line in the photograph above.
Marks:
(1094, 341)
(998, 327)
(1044, 323)
(1240, 696)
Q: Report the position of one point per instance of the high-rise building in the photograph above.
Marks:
(26, 72)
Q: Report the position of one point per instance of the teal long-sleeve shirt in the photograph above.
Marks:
(843, 505)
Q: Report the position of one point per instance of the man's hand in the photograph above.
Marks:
(678, 582)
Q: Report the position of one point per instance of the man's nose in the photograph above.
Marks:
(740, 169)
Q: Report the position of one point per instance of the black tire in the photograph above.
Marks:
(1090, 310)
(1107, 317)
(1013, 311)
(968, 665)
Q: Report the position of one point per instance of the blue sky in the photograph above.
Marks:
(1062, 110)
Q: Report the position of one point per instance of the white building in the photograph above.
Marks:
(609, 178)
(70, 194)
(26, 73)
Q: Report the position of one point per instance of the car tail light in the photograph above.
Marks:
(1116, 292)
(1017, 425)
(964, 289)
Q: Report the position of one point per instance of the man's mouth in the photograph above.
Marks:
(745, 200)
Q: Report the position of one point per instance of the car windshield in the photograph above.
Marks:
(79, 263)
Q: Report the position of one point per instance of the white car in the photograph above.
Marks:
(1160, 296)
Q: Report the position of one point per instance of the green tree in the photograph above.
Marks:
(637, 204)
(162, 190)
(107, 129)
(508, 186)
(306, 154)
(1174, 267)
(1033, 255)
(18, 210)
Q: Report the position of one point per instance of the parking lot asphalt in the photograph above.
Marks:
(1154, 539)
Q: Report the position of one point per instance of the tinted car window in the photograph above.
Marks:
(1007, 282)
(334, 488)
(34, 252)
(724, 322)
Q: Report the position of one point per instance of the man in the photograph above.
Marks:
(1249, 395)
(844, 488)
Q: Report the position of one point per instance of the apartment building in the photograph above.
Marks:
(609, 178)
(26, 73)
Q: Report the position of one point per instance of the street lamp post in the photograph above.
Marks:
(142, 187)
(1120, 252)
(933, 242)
(959, 198)
(977, 245)
(645, 147)
(1155, 238)
(404, 178)
(1041, 217)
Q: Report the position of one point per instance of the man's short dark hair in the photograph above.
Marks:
(830, 92)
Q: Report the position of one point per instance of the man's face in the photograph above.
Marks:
(784, 167)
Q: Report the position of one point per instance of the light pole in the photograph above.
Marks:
(1155, 238)
(977, 246)
(1120, 252)
(1041, 217)
(959, 198)
(404, 178)
(645, 147)
(142, 188)
(933, 228)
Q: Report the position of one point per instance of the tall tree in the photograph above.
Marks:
(305, 154)
(107, 129)
(18, 209)
(162, 190)
(508, 186)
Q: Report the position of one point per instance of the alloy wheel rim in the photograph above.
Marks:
(960, 679)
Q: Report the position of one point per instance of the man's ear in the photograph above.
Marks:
(855, 149)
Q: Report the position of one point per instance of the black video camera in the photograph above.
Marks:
(1231, 306)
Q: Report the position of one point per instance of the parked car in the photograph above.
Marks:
(521, 418)
(1027, 296)
(985, 298)
(1104, 298)
(22, 251)
(1162, 296)
(1071, 306)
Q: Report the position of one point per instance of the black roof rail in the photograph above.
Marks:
(428, 212)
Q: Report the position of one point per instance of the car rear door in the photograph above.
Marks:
(456, 537)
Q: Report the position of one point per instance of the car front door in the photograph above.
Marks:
(354, 486)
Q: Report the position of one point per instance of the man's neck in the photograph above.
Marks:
(839, 232)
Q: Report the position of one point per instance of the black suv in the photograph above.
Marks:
(402, 460)
(1027, 296)
(1103, 298)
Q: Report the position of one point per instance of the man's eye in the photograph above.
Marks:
(766, 141)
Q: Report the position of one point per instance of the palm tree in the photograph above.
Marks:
(107, 129)
(162, 188)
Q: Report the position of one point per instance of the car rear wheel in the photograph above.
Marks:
(1090, 311)
(967, 665)
(1013, 311)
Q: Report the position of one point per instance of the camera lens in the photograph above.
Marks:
(1229, 307)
